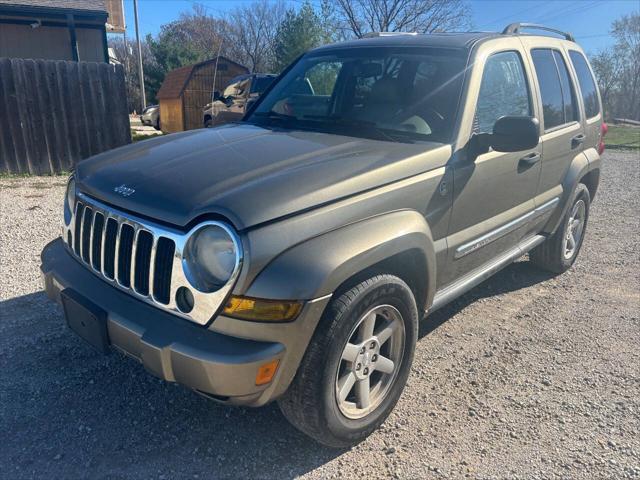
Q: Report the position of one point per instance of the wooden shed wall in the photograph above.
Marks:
(197, 92)
(171, 115)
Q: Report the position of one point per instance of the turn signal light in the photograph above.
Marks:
(266, 372)
(259, 310)
(603, 132)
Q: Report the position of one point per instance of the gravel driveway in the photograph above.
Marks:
(527, 376)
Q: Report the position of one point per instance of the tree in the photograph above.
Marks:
(617, 70)
(251, 33)
(626, 31)
(422, 16)
(194, 37)
(607, 66)
(298, 32)
(126, 54)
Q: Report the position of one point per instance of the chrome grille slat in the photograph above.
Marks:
(91, 232)
(96, 240)
(132, 263)
(116, 253)
(152, 261)
(85, 233)
(104, 236)
(152, 264)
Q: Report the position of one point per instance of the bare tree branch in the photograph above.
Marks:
(422, 16)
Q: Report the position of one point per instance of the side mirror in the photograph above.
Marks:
(514, 134)
(217, 95)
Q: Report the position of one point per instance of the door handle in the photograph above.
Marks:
(578, 140)
(530, 159)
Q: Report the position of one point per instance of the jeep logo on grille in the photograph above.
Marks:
(124, 190)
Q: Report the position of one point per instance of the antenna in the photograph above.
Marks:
(215, 70)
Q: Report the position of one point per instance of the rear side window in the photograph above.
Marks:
(558, 104)
(503, 91)
(568, 92)
(587, 85)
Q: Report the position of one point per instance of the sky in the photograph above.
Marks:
(588, 20)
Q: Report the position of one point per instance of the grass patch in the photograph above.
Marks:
(623, 136)
(136, 137)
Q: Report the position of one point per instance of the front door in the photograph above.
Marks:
(494, 193)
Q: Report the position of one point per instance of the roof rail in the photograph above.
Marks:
(386, 34)
(514, 29)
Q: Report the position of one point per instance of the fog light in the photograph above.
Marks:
(184, 300)
(259, 310)
(266, 372)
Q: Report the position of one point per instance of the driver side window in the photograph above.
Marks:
(503, 91)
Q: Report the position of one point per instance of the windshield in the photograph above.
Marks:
(396, 94)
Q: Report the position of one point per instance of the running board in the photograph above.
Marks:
(479, 275)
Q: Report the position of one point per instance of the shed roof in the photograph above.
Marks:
(176, 80)
(82, 5)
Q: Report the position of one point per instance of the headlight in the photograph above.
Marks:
(210, 257)
(70, 200)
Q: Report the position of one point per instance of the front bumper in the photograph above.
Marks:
(174, 349)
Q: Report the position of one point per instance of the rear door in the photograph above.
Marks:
(562, 132)
(589, 94)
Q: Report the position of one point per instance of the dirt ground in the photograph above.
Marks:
(527, 376)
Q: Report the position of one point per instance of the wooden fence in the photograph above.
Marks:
(54, 113)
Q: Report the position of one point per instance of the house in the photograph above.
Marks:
(186, 90)
(54, 29)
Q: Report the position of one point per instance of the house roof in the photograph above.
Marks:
(176, 80)
(88, 5)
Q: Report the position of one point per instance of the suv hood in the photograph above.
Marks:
(246, 173)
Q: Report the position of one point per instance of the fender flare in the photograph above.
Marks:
(579, 167)
(318, 266)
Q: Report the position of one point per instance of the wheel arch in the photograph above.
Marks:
(399, 243)
(584, 168)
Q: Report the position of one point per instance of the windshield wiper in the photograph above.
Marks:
(272, 114)
(339, 121)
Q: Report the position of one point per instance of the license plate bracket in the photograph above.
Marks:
(86, 319)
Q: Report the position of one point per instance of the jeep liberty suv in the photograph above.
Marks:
(290, 256)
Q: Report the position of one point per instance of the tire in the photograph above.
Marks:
(312, 403)
(208, 123)
(555, 254)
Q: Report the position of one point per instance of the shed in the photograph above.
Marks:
(186, 90)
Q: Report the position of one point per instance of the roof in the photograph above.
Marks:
(176, 80)
(452, 40)
(75, 5)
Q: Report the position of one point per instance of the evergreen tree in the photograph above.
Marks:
(298, 32)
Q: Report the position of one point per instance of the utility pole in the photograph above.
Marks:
(140, 72)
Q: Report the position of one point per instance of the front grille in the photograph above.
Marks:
(123, 251)
(142, 257)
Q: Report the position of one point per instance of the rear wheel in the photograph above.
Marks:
(357, 363)
(559, 251)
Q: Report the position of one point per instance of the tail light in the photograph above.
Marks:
(603, 131)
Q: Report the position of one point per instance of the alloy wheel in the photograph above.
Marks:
(370, 361)
(575, 228)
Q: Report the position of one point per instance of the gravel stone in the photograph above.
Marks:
(68, 412)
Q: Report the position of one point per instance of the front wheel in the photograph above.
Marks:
(559, 251)
(357, 363)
